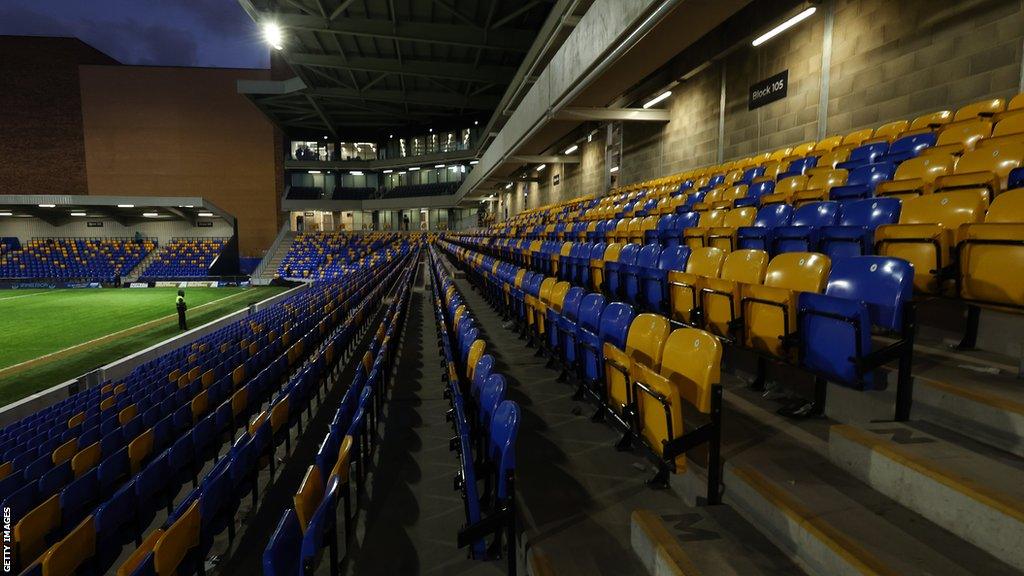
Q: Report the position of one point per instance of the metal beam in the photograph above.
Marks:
(552, 159)
(513, 40)
(424, 68)
(323, 116)
(341, 8)
(613, 114)
(422, 98)
(518, 11)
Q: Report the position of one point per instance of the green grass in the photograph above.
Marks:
(45, 322)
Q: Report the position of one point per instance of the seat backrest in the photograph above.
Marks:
(816, 214)
(692, 360)
(176, 541)
(869, 152)
(871, 174)
(612, 251)
(931, 120)
(982, 108)
(739, 217)
(491, 395)
(615, 321)
(504, 431)
(745, 266)
(891, 130)
(647, 335)
(64, 557)
(1007, 208)
(913, 143)
(308, 496)
(773, 215)
(999, 159)
(791, 184)
(571, 304)
(885, 284)
(557, 297)
(674, 258)
(647, 257)
(965, 133)
(705, 261)
(629, 253)
(825, 178)
(869, 212)
(827, 144)
(1011, 124)
(798, 271)
(951, 209)
(927, 167)
(591, 309)
(857, 137)
(281, 556)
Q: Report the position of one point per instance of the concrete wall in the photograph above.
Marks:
(42, 149)
(146, 136)
(890, 60)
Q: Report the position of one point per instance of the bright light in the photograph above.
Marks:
(392, 136)
(784, 26)
(126, 205)
(325, 137)
(78, 214)
(614, 169)
(476, 122)
(314, 171)
(189, 206)
(402, 172)
(657, 99)
(356, 172)
(414, 168)
(541, 167)
(474, 162)
(507, 186)
(572, 149)
(431, 130)
(47, 205)
(6, 213)
(438, 165)
(273, 35)
(150, 214)
(206, 214)
(388, 171)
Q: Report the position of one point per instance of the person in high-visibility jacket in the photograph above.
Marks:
(180, 304)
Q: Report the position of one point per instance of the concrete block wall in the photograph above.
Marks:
(890, 60)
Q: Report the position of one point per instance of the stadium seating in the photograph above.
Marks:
(84, 474)
(185, 258)
(95, 259)
(326, 256)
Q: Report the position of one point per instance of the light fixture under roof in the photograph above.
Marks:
(572, 149)
(614, 169)
(79, 214)
(414, 168)
(126, 205)
(206, 214)
(47, 205)
(273, 35)
(474, 162)
(541, 167)
(784, 26)
(6, 213)
(657, 99)
(438, 165)
(355, 172)
(313, 171)
(388, 171)
(150, 214)
(507, 186)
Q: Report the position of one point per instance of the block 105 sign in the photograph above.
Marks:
(769, 90)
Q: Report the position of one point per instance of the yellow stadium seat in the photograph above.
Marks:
(959, 137)
(35, 527)
(724, 236)
(926, 233)
(769, 310)
(890, 131)
(984, 170)
(644, 341)
(696, 236)
(308, 496)
(476, 351)
(820, 183)
(611, 254)
(64, 557)
(916, 176)
(720, 297)
(931, 121)
(174, 544)
(684, 286)
(981, 109)
(991, 255)
(689, 375)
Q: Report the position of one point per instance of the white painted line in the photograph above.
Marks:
(31, 294)
(12, 367)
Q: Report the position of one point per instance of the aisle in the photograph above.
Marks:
(411, 527)
(576, 491)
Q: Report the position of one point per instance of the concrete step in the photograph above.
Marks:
(706, 540)
(833, 524)
(978, 498)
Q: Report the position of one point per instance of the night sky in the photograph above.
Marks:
(162, 32)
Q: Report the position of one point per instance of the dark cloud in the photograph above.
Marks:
(153, 32)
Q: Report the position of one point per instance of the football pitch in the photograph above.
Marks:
(50, 336)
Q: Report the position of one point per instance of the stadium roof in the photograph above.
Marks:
(381, 64)
(127, 210)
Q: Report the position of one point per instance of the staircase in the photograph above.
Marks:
(265, 272)
(135, 273)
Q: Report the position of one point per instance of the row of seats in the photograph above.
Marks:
(329, 255)
(486, 425)
(135, 441)
(99, 259)
(305, 530)
(185, 258)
